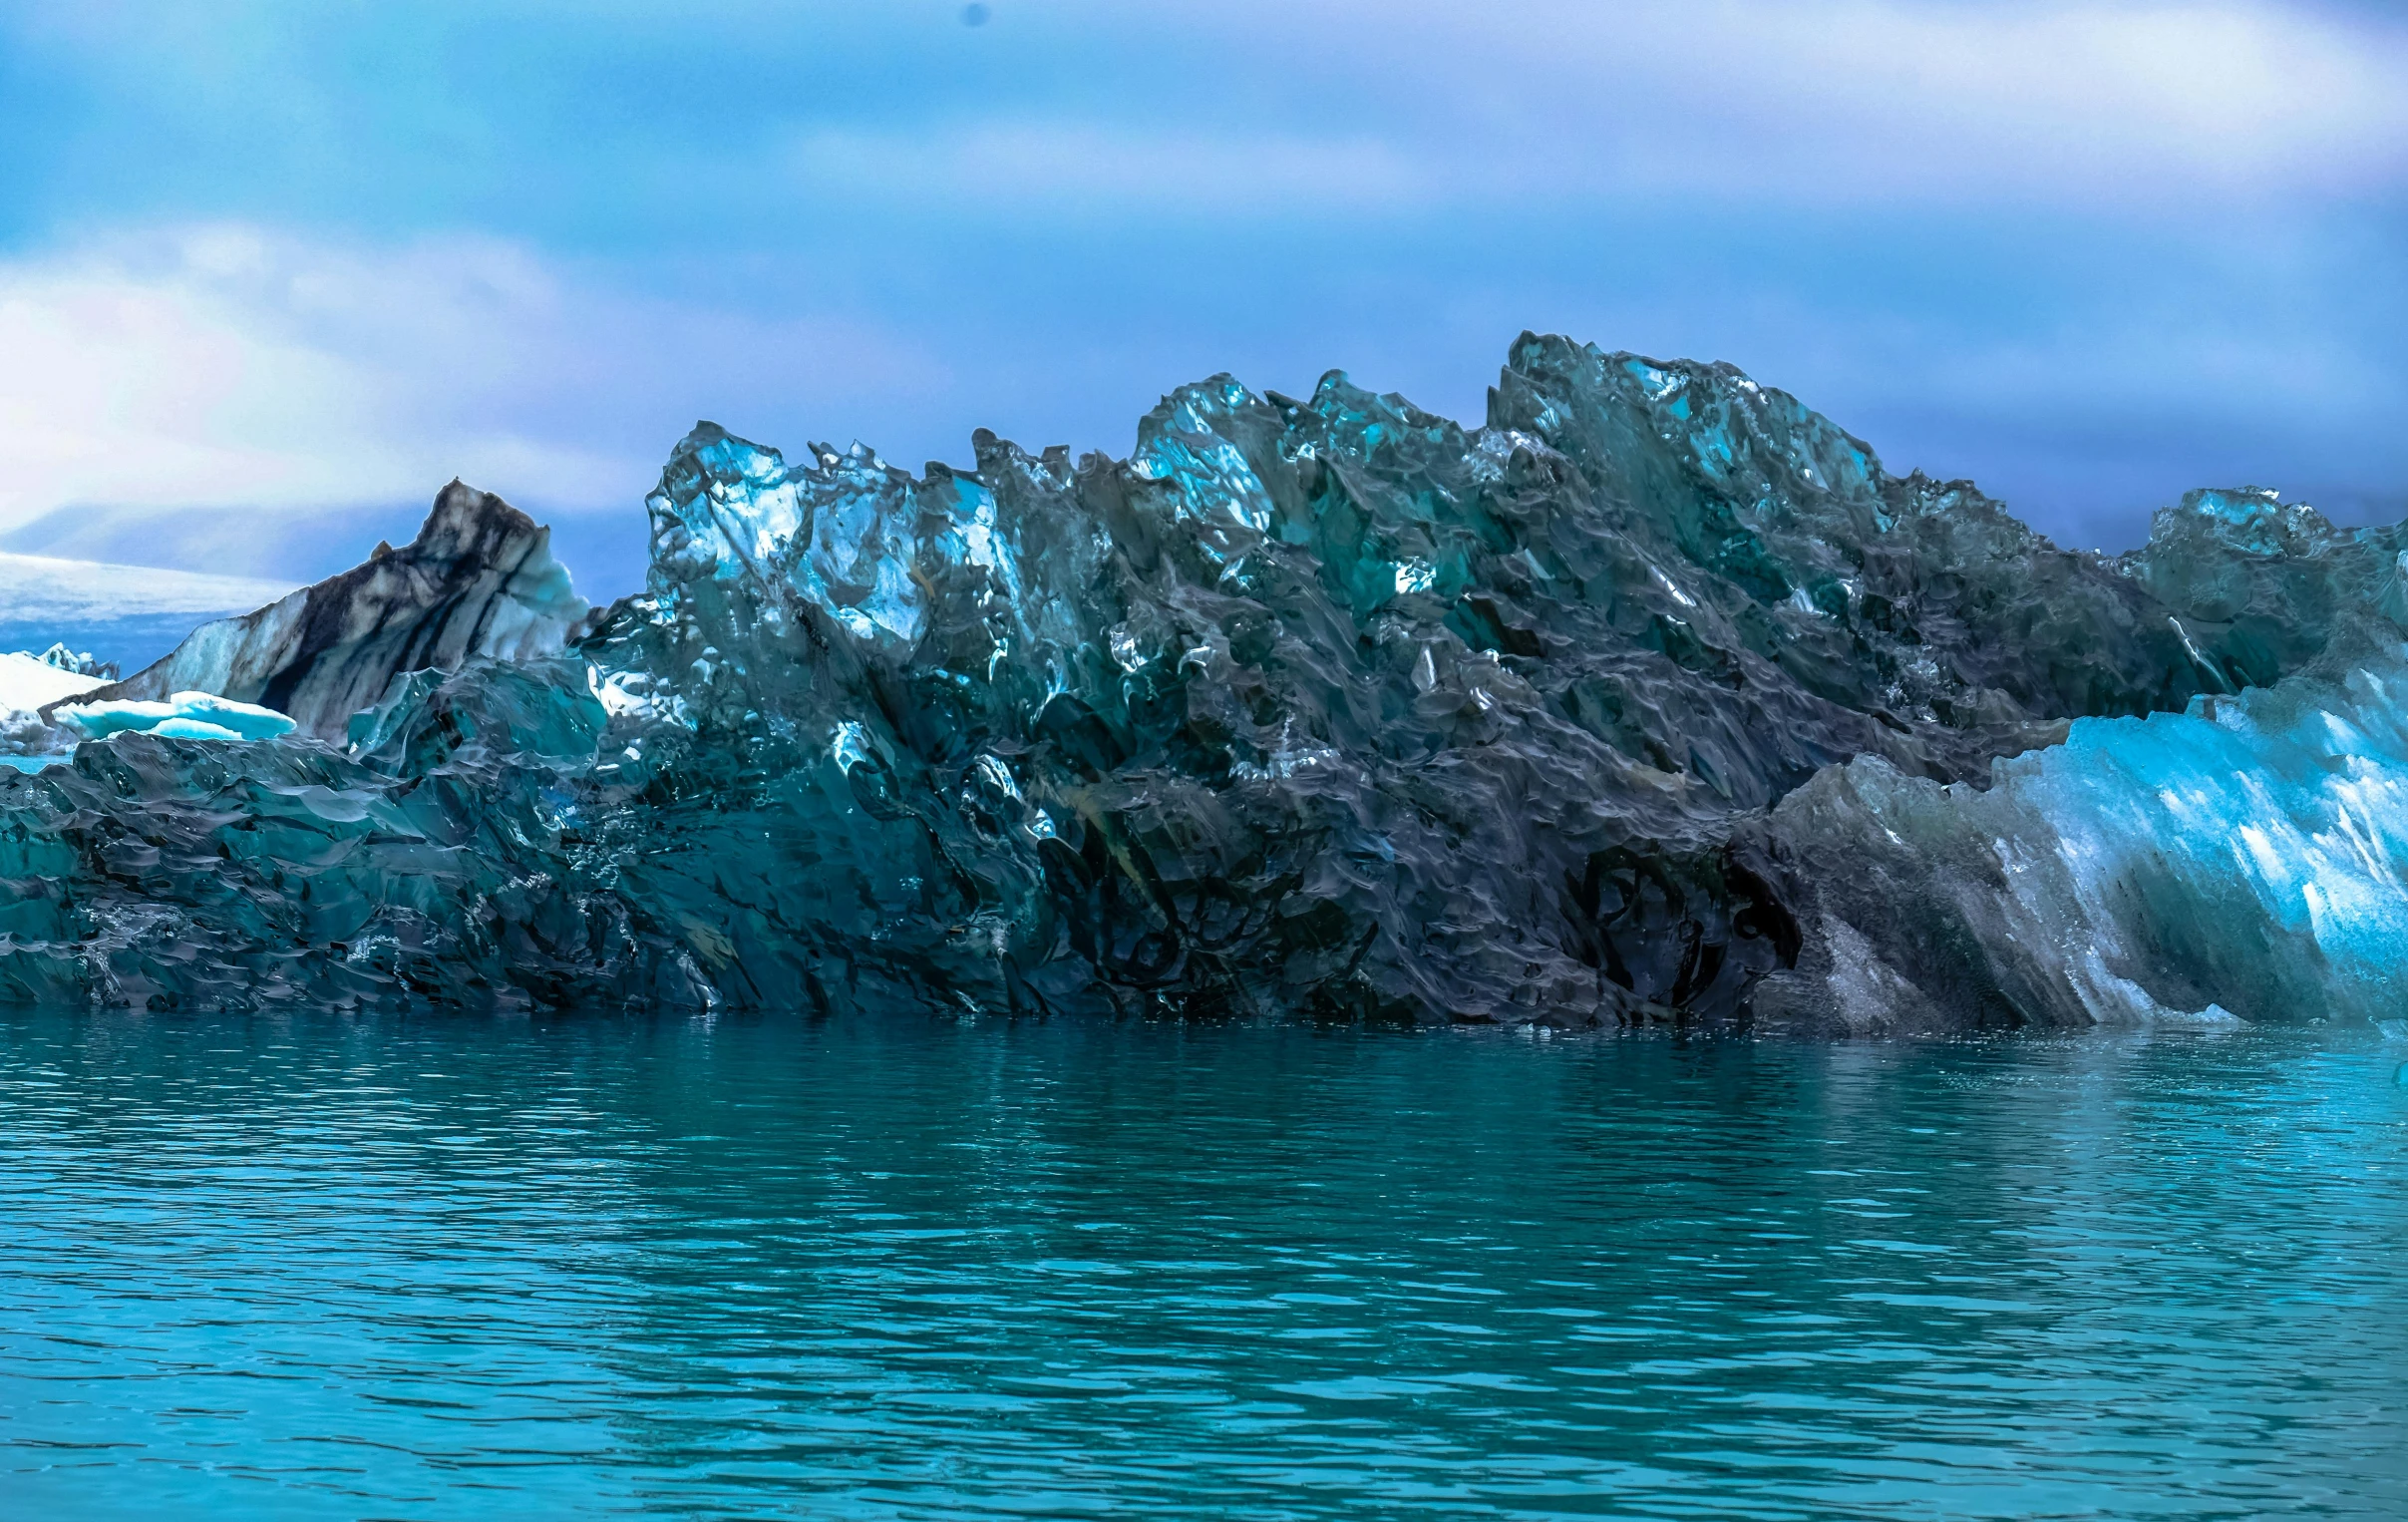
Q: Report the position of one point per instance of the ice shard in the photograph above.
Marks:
(1601, 712)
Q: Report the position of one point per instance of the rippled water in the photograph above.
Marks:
(465, 1268)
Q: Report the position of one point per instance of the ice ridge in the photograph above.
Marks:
(1323, 707)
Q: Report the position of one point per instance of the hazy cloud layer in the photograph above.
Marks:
(223, 367)
(298, 255)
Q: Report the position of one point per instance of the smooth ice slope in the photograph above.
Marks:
(1323, 707)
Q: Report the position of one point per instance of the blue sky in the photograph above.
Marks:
(271, 273)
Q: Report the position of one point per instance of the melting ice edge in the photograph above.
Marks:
(1655, 700)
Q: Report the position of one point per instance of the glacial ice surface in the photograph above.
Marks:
(30, 682)
(119, 610)
(1604, 711)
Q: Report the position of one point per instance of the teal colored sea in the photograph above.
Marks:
(456, 1268)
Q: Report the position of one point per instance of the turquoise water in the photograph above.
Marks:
(454, 1267)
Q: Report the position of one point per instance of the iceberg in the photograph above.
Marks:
(77, 663)
(1653, 699)
(479, 580)
(2244, 859)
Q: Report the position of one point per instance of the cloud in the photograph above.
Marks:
(615, 130)
(218, 366)
(2111, 248)
(1409, 110)
(1888, 100)
(228, 366)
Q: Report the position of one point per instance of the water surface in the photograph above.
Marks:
(465, 1268)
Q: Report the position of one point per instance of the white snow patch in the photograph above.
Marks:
(27, 683)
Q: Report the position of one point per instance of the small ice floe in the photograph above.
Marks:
(185, 716)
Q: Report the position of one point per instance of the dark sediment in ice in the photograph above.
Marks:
(1323, 707)
(478, 582)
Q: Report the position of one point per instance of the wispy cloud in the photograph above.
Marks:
(220, 367)
(549, 123)
(1407, 108)
(1916, 99)
(1415, 104)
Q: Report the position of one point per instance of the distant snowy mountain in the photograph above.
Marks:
(268, 543)
(606, 552)
(130, 614)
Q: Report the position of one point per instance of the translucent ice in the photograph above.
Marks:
(2250, 856)
(185, 715)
